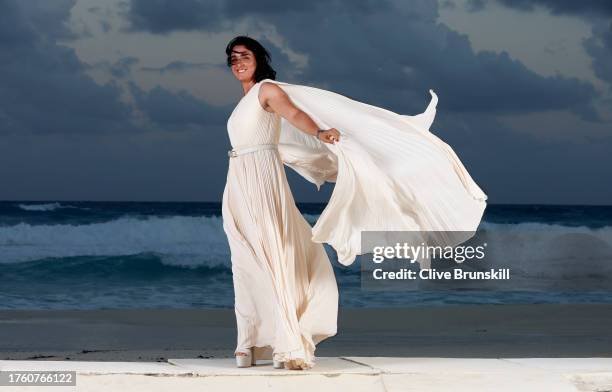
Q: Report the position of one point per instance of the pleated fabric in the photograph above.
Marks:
(286, 295)
(391, 173)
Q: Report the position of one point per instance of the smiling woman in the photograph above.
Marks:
(391, 173)
(286, 296)
(249, 60)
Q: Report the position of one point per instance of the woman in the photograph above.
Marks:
(391, 174)
(286, 297)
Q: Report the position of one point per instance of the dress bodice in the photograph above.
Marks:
(250, 123)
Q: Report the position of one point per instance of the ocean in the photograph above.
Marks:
(110, 255)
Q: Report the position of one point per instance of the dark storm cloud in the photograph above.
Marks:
(235, 8)
(475, 5)
(382, 53)
(43, 85)
(364, 49)
(596, 12)
(120, 69)
(390, 57)
(162, 16)
(46, 94)
(176, 111)
(448, 4)
(102, 13)
(564, 7)
(280, 61)
(599, 47)
(181, 66)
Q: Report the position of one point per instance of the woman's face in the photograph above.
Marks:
(243, 63)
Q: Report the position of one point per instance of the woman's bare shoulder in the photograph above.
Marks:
(270, 90)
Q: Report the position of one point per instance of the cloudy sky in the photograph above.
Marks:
(128, 99)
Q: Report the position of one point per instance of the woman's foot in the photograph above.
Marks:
(245, 359)
(296, 364)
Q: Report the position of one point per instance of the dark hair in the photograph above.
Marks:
(263, 70)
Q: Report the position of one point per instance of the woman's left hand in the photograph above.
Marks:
(332, 136)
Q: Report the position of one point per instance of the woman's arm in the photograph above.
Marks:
(273, 97)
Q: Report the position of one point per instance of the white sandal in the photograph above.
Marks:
(247, 360)
(278, 364)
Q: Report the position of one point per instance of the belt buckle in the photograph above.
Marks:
(232, 153)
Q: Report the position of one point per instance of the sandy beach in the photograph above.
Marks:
(460, 331)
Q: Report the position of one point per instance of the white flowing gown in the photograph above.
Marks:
(286, 296)
(390, 173)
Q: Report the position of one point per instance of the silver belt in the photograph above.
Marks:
(246, 149)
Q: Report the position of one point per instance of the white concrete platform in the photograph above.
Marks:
(332, 374)
(227, 367)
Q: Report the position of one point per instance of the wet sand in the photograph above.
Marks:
(459, 331)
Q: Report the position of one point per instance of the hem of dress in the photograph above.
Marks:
(305, 355)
